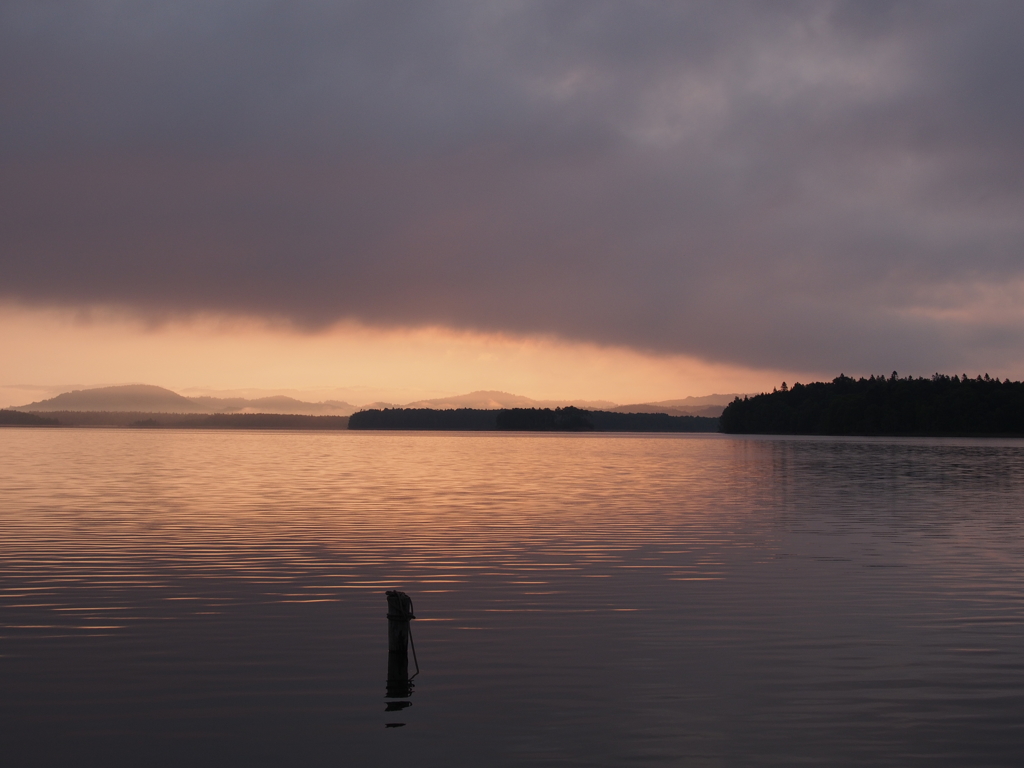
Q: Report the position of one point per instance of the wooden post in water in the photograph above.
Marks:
(399, 615)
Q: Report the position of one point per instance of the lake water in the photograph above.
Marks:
(217, 598)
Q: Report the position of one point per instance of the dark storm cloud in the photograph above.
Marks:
(814, 185)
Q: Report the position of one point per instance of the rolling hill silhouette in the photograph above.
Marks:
(494, 400)
(130, 397)
(147, 398)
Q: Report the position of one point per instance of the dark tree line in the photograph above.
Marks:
(572, 419)
(569, 419)
(20, 419)
(545, 420)
(610, 421)
(272, 421)
(879, 405)
(116, 418)
(457, 419)
(247, 421)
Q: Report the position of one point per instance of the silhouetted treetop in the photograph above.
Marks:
(569, 419)
(20, 419)
(879, 405)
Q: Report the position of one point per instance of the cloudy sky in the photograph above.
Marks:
(706, 194)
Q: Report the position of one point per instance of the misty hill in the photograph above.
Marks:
(705, 405)
(692, 402)
(941, 405)
(132, 397)
(495, 400)
(146, 398)
(711, 411)
(149, 399)
(278, 404)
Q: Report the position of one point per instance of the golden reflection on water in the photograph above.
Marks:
(126, 511)
(696, 595)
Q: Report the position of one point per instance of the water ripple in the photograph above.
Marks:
(584, 599)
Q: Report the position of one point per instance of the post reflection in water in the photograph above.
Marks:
(177, 597)
(400, 684)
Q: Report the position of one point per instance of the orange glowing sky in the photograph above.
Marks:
(49, 351)
(562, 201)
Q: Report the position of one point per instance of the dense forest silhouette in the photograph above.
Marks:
(454, 419)
(19, 419)
(569, 419)
(247, 421)
(879, 405)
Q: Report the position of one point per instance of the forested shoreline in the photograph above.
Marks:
(569, 419)
(10, 418)
(147, 420)
(938, 406)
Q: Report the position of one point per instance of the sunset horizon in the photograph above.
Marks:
(500, 384)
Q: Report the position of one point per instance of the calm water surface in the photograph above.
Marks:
(216, 598)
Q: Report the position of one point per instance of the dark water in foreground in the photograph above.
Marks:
(216, 598)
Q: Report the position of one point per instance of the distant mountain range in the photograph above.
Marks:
(707, 405)
(490, 400)
(146, 398)
(672, 410)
